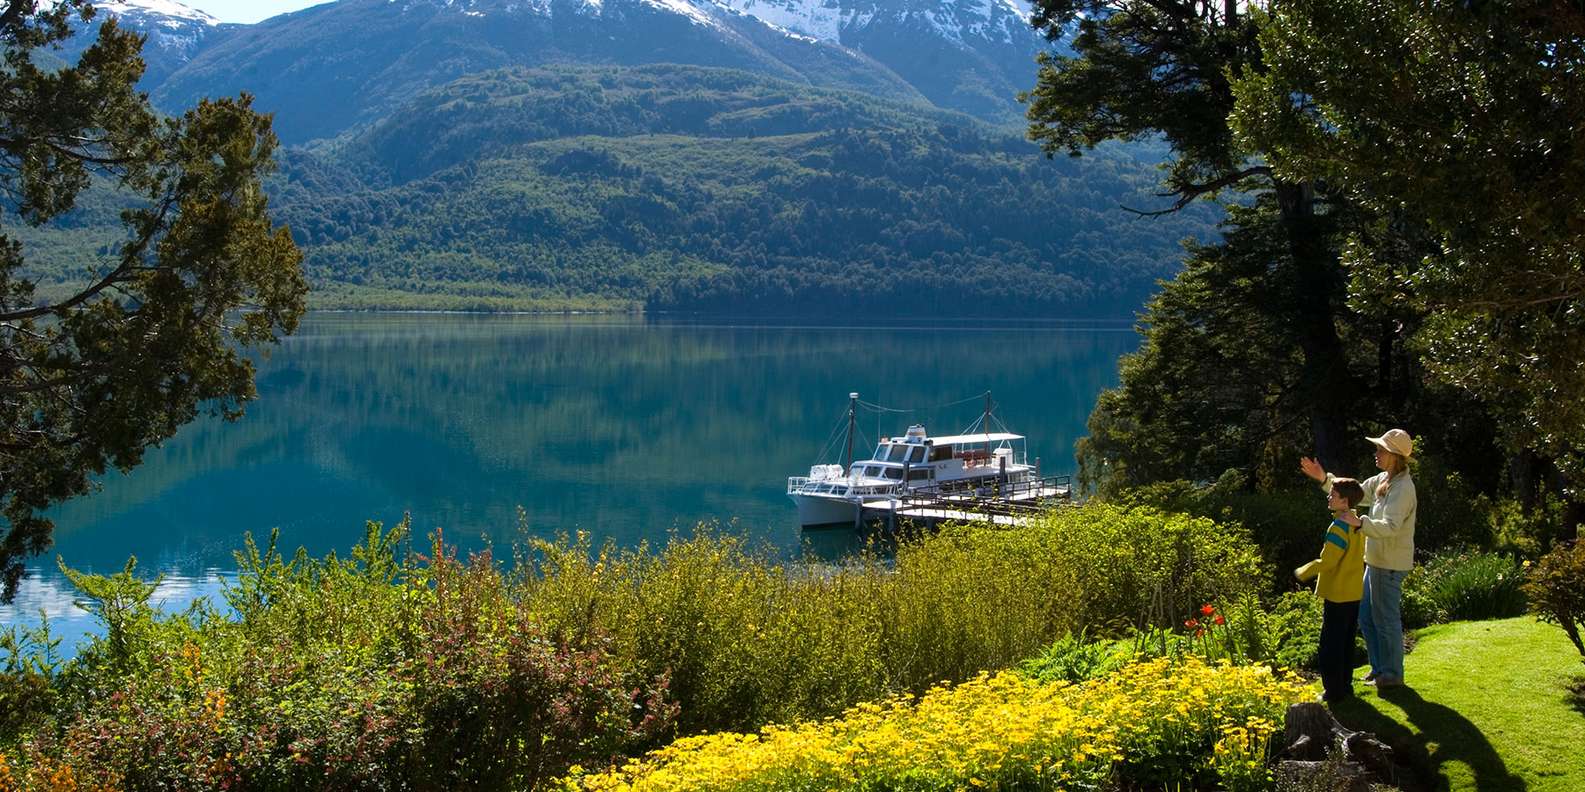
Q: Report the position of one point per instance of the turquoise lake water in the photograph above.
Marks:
(622, 427)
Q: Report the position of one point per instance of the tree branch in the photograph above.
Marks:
(116, 275)
(1189, 192)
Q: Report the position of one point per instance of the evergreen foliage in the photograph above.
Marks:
(155, 325)
(1339, 301)
(1460, 122)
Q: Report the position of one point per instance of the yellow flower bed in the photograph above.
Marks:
(1152, 721)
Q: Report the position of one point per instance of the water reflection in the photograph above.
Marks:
(53, 598)
(626, 428)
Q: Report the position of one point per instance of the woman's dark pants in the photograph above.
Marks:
(1335, 657)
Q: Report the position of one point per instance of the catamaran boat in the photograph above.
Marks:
(968, 468)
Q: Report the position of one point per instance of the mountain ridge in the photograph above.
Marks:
(335, 67)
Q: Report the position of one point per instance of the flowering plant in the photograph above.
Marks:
(1149, 723)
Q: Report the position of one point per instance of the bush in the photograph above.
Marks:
(1242, 632)
(1076, 658)
(1463, 585)
(1556, 587)
(747, 641)
(368, 673)
(1286, 525)
(385, 671)
(1153, 723)
(1141, 567)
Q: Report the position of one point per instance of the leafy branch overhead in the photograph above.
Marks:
(93, 374)
(1409, 233)
(1460, 121)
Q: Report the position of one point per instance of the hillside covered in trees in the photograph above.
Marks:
(689, 188)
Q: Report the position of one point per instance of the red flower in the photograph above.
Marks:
(1192, 624)
(1220, 620)
(1207, 610)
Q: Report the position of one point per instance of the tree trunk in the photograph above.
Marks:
(1318, 283)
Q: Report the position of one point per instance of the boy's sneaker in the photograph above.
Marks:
(1387, 682)
(1369, 679)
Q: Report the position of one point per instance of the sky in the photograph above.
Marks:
(247, 10)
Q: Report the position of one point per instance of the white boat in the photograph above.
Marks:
(971, 470)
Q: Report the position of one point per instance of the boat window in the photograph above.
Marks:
(916, 454)
(940, 453)
(919, 474)
(894, 474)
(880, 451)
(897, 453)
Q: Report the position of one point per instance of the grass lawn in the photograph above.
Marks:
(1492, 705)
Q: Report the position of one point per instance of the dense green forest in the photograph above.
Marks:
(686, 188)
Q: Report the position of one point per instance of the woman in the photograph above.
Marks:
(1389, 551)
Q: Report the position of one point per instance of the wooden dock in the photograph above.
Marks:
(1005, 504)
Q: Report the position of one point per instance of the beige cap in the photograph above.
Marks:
(1395, 440)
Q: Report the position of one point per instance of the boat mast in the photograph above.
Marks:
(853, 403)
(985, 422)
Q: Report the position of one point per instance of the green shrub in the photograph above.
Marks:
(1140, 566)
(368, 673)
(1556, 587)
(747, 640)
(1529, 532)
(1286, 525)
(1076, 658)
(1463, 585)
(381, 671)
(1241, 632)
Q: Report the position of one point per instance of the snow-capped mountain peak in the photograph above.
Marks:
(954, 20)
(175, 12)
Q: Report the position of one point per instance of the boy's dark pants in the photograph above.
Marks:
(1335, 657)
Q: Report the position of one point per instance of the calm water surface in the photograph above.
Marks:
(622, 427)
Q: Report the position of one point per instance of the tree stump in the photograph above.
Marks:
(1313, 736)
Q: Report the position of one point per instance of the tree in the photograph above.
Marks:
(161, 328)
(1464, 121)
(1160, 67)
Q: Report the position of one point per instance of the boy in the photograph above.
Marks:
(1340, 574)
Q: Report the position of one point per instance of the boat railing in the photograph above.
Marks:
(1033, 486)
(796, 485)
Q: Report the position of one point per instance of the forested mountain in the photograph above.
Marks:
(423, 176)
(688, 188)
(332, 67)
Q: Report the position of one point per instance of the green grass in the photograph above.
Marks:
(1491, 705)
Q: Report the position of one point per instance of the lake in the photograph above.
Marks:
(625, 427)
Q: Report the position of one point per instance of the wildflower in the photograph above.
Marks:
(1206, 610)
(1219, 620)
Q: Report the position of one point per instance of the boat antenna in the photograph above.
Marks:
(853, 410)
(985, 423)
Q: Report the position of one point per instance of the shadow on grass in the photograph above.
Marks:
(1576, 694)
(1440, 735)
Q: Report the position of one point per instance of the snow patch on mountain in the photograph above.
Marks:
(954, 20)
(819, 19)
(694, 14)
(176, 14)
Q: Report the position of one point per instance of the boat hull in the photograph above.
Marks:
(816, 510)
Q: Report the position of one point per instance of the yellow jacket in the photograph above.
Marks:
(1340, 571)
